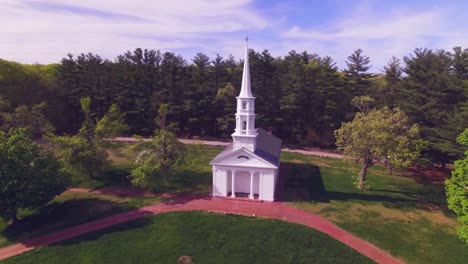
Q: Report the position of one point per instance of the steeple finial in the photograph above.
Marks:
(245, 88)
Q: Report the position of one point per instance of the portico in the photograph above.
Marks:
(243, 182)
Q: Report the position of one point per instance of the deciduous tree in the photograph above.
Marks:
(86, 152)
(157, 157)
(29, 175)
(457, 189)
(383, 135)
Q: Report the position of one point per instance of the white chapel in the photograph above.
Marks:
(248, 167)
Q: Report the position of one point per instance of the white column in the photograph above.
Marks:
(260, 183)
(214, 182)
(251, 196)
(233, 191)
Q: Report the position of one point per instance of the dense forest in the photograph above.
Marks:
(302, 97)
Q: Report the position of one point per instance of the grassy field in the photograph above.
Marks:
(68, 209)
(193, 177)
(202, 237)
(406, 216)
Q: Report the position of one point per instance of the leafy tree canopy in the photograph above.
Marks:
(32, 119)
(383, 135)
(457, 189)
(158, 156)
(85, 152)
(29, 175)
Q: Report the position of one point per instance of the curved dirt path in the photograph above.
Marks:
(319, 153)
(273, 210)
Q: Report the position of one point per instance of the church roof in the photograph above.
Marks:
(268, 148)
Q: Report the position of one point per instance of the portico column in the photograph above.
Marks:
(233, 191)
(260, 191)
(251, 196)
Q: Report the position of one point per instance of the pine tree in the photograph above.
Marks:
(357, 76)
(393, 72)
(428, 94)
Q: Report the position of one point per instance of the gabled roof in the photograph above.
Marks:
(268, 146)
(268, 149)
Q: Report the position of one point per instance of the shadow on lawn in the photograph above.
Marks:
(304, 182)
(95, 235)
(59, 215)
(186, 180)
(135, 219)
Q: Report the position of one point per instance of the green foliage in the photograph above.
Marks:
(384, 135)
(112, 124)
(363, 103)
(29, 175)
(357, 74)
(428, 94)
(393, 75)
(4, 104)
(33, 120)
(224, 98)
(85, 152)
(457, 189)
(158, 157)
(302, 96)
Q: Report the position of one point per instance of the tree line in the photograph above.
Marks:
(303, 97)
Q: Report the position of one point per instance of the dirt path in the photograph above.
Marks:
(273, 210)
(319, 153)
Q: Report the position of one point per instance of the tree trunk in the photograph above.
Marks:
(14, 217)
(363, 175)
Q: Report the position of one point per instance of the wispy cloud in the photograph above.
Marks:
(381, 33)
(46, 30)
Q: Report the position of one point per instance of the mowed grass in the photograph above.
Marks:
(70, 209)
(405, 216)
(201, 237)
(66, 210)
(193, 177)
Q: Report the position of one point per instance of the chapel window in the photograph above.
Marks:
(244, 125)
(244, 105)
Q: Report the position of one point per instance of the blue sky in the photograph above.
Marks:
(44, 31)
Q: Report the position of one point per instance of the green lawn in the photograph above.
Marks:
(66, 210)
(405, 216)
(193, 177)
(204, 237)
(402, 215)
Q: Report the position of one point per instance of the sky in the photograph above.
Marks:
(45, 31)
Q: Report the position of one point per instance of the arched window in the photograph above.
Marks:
(243, 157)
(244, 125)
(244, 105)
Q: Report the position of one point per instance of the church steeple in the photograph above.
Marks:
(245, 88)
(245, 133)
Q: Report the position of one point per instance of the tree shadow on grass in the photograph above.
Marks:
(60, 215)
(186, 181)
(304, 182)
(138, 223)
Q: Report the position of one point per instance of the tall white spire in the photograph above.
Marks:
(245, 134)
(246, 91)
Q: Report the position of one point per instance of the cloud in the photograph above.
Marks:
(46, 30)
(381, 34)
